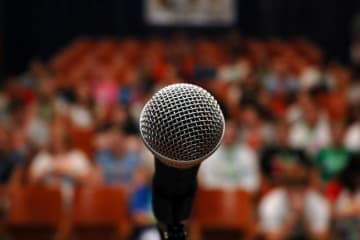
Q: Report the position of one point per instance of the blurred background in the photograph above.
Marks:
(74, 76)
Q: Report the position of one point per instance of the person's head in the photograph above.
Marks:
(279, 67)
(295, 177)
(46, 89)
(103, 137)
(60, 143)
(118, 140)
(337, 134)
(311, 115)
(230, 134)
(17, 109)
(119, 115)
(282, 133)
(303, 100)
(83, 92)
(250, 115)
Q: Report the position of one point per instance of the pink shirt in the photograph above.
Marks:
(105, 93)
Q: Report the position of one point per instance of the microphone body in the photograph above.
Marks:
(173, 192)
(182, 125)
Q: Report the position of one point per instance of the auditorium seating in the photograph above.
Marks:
(139, 66)
(100, 213)
(228, 212)
(34, 212)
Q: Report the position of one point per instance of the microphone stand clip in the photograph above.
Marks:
(172, 232)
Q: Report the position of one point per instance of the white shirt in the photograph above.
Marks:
(80, 116)
(301, 136)
(274, 210)
(309, 77)
(38, 131)
(352, 137)
(231, 167)
(44, 163)
(150, 234)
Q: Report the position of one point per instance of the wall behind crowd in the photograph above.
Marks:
(41, 28)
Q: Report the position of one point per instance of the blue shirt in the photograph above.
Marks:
(141, 200)
(8, 163)
(275, 85)
(117, 169)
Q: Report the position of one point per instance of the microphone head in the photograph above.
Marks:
(182, 124)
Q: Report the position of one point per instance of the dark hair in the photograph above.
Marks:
(354, 113)
(16, 105)
(351, 172)
(300, 173)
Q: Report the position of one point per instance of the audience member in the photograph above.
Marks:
(80, 113)
(141, 206)
(352, 136)
(279, 96)
(60, 164)
(233, 165)
(312, 132)
(295, 111)
(12, 159)
(116, 162)
(254, 131)
(294, 211)
(347, 205)
(37, 73)
(280, 81)
(332, 159)
(105, 90)
(277, 156)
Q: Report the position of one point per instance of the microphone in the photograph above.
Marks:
(182, 125)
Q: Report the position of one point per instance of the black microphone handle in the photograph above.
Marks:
(173, 190)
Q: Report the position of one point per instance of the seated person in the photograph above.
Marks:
(276, 156)
(294, 211)
(312, 131)
(347, 204)
(60, 164)
(12, 160)
(332, 159)
(233, 165)
(141, 207)
(117, 163)
(352, 136)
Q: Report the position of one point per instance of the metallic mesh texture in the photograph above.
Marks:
(182, 124)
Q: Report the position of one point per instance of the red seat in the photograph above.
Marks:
(222, 210)
(83, 139)
(100, 213)
(34, 213)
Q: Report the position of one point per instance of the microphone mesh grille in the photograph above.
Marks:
(182, 122)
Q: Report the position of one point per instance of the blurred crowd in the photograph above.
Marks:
(292, 126)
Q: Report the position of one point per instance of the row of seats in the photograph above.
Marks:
(102, 213)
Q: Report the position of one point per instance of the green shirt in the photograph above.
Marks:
(330, 161)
